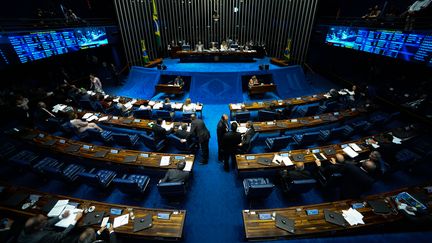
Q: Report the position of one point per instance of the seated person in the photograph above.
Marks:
(182, 133)
(89, 235)
(253, 81)
(357, 180)
(178, 81)
(199, 47)
(285, 113)
(176, 175)
(167, 105)
(381, 165)
(335, 165)
(80, 125)
(224, 46)
(159, 133)
(188, 106)
(145, 105)
(42, 114)
(387, 148)
(299, 173)
(120, 105)
(106, 103)
(39, 229)
(246, 138)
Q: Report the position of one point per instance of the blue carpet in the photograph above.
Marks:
(216, 198)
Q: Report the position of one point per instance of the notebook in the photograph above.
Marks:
(100, 154)
(130, 158)
(380, 207)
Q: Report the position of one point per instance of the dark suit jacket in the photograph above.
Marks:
(175, 175)
(159, 133)
(355, 181)
(199, 130)
(45, 235)
(298, 175)
(230, 142)
(167, 107)
(328, 169)
(182, 134)
(222, 128)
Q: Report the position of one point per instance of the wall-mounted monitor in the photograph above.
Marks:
(409, 46)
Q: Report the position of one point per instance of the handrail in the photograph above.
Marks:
(49, 23)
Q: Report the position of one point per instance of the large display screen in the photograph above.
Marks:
(409, 46)
(24, 47)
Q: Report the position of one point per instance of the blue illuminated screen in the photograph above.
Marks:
(409, 46)
(31, 46)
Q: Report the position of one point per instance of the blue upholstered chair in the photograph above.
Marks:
(171, 189)
(183, 147)
(23, 158)
(132, 183)
(164, 115)
(242, 116)
(300, 111)
(312, 110)
(361, 126)
(6, 150)
(328, 181)
(264, 115)
(101, 178)
(275, 144)
(299, 186)
(46, 162)
(143, 114)
(104, 136)
(150, 143)
(186, 116)
(340, 132)
(257, 187)
(251, 143)
(125, 139)
(70, 172)
(306, 138)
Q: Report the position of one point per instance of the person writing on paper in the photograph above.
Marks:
(89, 235)
(82, 126)
(177, 174)
(39, 229)
(253, 81)
(188, 107)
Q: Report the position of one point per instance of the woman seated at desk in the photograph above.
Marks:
(224, 46)
(253, 81)
(188, 107)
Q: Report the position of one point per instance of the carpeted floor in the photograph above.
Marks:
(216, 198)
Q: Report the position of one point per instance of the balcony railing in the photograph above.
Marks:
(7, 25)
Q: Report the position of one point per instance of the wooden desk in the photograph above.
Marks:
(245, 165)
(278, 103)
(153, 63)
(171, 229)
(40, 139)
(169, 88)
(261, 89)
(315, 225)
(303, 122)
(218, 56)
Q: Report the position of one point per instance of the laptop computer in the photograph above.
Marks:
(93, 218)
(143, 223)
(284, 223)
(264, 161)
(335, 218)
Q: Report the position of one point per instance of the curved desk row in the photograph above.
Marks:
(162, 229)
(104, 154)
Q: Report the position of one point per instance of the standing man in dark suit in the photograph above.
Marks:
(230, 143)
(39, 229)
(159, 133)
(222, 128)
(176, 175)
(200, 131)
(247, 137)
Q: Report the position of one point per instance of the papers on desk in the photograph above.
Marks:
(70, 220)
(355, 147)
(151, 103)
(128, 105)
(90, 92)
(327, 95)
(92, 118)
(236, 106)
(278, 159)
(188, 166)
(157, 106)
(342, 92)
(116, 99)
(59, 107)
(165, 161)
(375, 145)
(396, 140)
(104, 118)
(177, 106)
(241, 129)
(121, 220)
(353, 217)
(167, 127)
(350, 152)
(58, 208)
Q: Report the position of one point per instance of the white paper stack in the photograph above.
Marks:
(353, 217)
(355, 147)
(177, 106)
(165, 161)
(58, 208)
(70, 220)
(128, 105)
(116, 99)
(167, 127)
(236, 106)
(157, 106)
(87, 115)
(350, 152)
(59, 107)
(396, 140)
(277, 159)
(152, 103)
(188, 166)
(121, 220)
(104, 118)
(241, 129)
(92, 118)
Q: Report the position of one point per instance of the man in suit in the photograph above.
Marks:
(247, 137)
(357, 180)
(200, 131)
(89, 235)
(183, 132)
(299, 173)
(222, 128)
(230, 143)
(167, 105)
(159, 133)
(39, 229)
(335, 165)
(176, 175)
